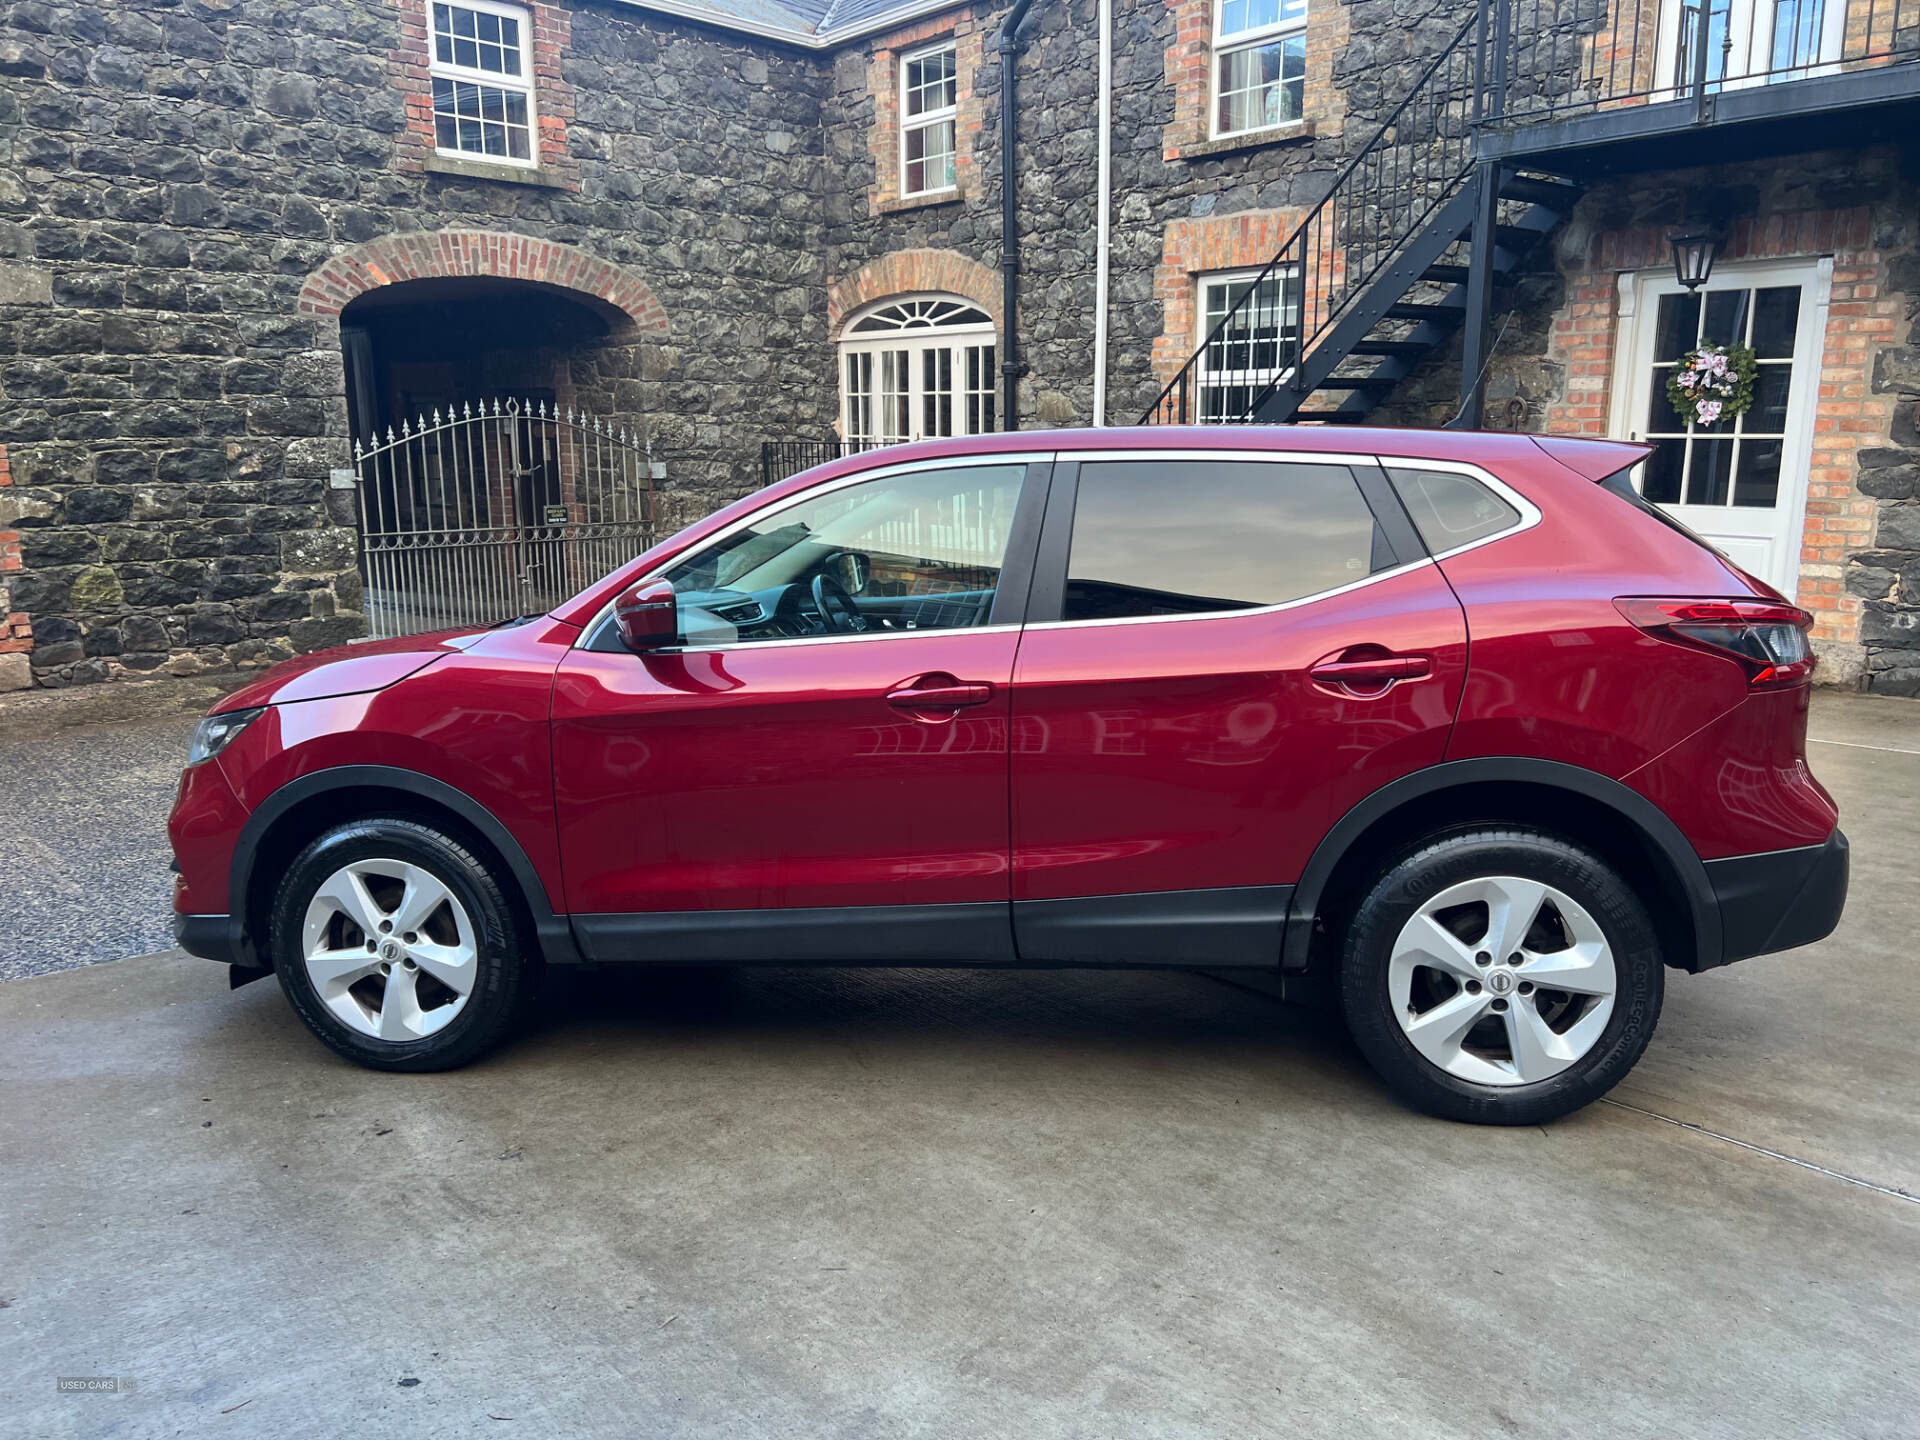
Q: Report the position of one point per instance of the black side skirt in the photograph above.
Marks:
(1241, 926)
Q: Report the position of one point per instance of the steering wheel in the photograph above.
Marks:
(830, 595)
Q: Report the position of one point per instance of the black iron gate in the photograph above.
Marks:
(494, 511)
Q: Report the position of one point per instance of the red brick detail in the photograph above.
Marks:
(439, 253)
(914, 272)
(1189, 71)
(1848, 416)
(883, 83)
(1202, 247)
(550, 28)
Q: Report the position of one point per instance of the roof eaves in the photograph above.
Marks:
(796, 34)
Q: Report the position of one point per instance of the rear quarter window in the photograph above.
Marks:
(1450, 509)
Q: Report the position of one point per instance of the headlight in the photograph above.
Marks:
(216, 731)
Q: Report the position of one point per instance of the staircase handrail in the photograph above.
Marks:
(1298, 238)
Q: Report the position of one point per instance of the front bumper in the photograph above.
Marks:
(1779, 899)
(214, 937)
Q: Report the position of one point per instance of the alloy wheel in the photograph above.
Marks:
(1502, 980)
(389, 949)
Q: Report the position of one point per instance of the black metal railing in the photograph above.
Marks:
(1549, 58)
(1412, 165)
(781, 458)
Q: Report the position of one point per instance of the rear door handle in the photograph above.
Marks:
(940, 692)
(1390, 667)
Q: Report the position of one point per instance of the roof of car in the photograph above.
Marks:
(1597, 457)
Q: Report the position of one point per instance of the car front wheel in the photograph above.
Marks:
(397, 947)
(1501, 976)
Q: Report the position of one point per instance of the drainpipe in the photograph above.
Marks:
(1103, 241)
(1010, 367)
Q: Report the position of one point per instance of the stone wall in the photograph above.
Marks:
(174, 172)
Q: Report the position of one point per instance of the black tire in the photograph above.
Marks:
(506, 968)
(1449, 860)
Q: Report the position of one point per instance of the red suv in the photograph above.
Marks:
(1454, 725)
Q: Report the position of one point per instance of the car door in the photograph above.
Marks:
(783, 785)
(1224, 652)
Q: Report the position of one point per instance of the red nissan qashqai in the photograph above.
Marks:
(1457, 725)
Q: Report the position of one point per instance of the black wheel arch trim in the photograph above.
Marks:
(553, 931)
(1652, 823)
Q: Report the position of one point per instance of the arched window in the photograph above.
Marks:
(916, 368)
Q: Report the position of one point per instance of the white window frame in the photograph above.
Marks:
(929, 118)
(1211, 379)
(437, 69)
(879, 355)
(1228, 44)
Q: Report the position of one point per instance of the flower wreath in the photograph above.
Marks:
(1713, 383)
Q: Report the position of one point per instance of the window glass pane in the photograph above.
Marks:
(1168, 537)
(1662, 418)
(912, 552)
(1660, 481)
(1776, 315)
(1726, 322)
(930, 157)
(1770, 393)
(1707, 481)
(1239, 16)
(463, 22)
(1757, 482)
(1449, 509)
(1678, 327)
(931, 82)
(467, 53)
(1262, 85)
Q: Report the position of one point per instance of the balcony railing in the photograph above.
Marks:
(1552, 58)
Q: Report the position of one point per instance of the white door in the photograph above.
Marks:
(1749, 42)
(1740, 484)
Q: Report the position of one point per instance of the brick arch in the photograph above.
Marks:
(442, 253)
(914, 272)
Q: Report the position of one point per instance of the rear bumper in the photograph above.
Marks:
(1779, 899)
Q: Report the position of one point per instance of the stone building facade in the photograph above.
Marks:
(233, 234)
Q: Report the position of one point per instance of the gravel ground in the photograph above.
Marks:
(89, 878)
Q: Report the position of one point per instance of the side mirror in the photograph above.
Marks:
(647, 616)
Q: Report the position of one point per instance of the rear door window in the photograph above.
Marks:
(1191, 537)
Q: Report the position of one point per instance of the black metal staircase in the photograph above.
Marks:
(1442, 201)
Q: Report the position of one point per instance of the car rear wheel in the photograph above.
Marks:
(1502, 977)
(397, 947)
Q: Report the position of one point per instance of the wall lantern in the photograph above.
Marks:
(1693, 257)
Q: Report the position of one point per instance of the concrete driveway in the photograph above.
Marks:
(972, 1204)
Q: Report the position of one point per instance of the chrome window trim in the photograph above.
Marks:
(1529, 517)
(1029, 458)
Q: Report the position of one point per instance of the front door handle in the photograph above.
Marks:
(939, 692)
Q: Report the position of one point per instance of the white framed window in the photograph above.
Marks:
(929, 104)
(1254, 346)
(1259, 64)
(481, 68)
(917, 368)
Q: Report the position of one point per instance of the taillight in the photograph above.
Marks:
(1767, 638)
